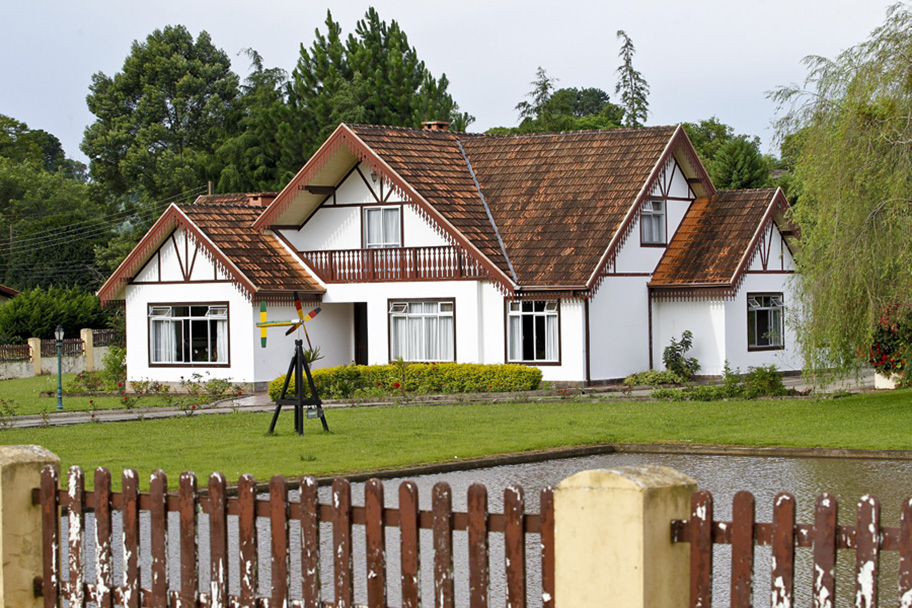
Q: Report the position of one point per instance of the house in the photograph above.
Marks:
(7, 294)
(581, 253)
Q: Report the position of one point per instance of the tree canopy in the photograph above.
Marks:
(631, 85)
(733, 161)
(854, 160)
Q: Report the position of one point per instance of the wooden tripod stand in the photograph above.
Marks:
(314, 407)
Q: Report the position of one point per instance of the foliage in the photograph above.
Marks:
(374, 76)
(653, 377)
(708, 136)
(540, 95)
(738, 164)
(36, 313)
(8, 413)
(674, 357)
(114, 372)
(891, 342)
(48, 225)
(855, 167)
(762, 381)
(422, 378)
(36, 148)
(160, 119)
(631, 85)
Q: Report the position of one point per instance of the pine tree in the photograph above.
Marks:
(631, 85)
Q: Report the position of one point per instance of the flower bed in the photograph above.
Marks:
(348, 381)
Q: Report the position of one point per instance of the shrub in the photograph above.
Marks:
(674, 358)
(419, 378)
(35, 313)
(114, 373)
(653, 377)
(891, 341)
(762, 381)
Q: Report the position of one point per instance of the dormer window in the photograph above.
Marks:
(652, 223)
(382, 228)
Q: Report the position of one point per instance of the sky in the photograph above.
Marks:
(701, 58)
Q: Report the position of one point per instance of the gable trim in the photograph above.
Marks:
(163, 229)
(345, 136)
(678, 142)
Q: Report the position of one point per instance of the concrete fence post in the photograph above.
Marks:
(35, 350)
(612, 538)
(20, 523)
(88, 344)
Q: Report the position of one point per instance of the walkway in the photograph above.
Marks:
(260, 402)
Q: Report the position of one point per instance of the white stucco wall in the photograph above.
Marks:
(706, 320)
(619, 328)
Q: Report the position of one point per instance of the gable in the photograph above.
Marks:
(179, 260)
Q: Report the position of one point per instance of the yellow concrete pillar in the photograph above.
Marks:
(20, 523)
(613, 538)
(35, 350)
(88, 343)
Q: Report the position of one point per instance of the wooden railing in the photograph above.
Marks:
(246, 508)
(15, 352)
(394, 264)
(69, 346)
(867, 538)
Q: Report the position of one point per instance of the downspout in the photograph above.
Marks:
(649, 297)
(588, 353)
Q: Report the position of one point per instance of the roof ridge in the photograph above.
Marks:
(458, 134)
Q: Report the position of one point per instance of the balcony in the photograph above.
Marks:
(394, 264)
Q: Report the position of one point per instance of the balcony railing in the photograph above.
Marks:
(394, 264)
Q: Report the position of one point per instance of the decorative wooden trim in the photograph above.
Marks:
(206, 282)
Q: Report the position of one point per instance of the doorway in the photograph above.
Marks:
(360, 323)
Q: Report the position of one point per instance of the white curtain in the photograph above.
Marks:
(551, 338)
(515, 338)
(391, 227)
(446, 349)
(374, 227)
(221, 348)
(397, 337)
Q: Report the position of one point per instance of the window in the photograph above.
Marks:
(764, 321)
(189, 334)
(652, 223)
(532, 331)
(381, 228)
(422, 331)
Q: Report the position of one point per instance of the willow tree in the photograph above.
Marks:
(855, 216)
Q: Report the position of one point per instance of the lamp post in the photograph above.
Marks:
(58, 334)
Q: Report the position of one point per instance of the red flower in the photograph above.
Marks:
(395, 385)
(378, 384)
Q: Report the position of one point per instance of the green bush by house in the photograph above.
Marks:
(420, 378)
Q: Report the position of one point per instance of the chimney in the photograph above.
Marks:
(436, 125)
(262, 199)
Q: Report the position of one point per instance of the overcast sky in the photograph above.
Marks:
(701, 58)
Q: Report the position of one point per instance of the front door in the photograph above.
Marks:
(360, 323)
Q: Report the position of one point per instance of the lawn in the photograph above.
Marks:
(394, 437)
(25, 393)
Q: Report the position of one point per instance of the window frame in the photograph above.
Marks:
(508, 313)
(158, 307)
(751, 312)
(391, 302)
(365, 227)
(662, 221)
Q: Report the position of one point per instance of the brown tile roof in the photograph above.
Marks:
(713, 238)
(260, 257)
(556, 199)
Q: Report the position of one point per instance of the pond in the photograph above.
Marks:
(847, 479)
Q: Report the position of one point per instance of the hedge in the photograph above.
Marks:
(420, 378)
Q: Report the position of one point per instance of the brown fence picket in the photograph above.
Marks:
(409, 545)
(342, 544)
(218, 542)
(375, 541)
(782, 581)
(905, 549)
(310, 544)
(546, 506)
(104, 573)
(278, 516)
(131, 581)
(76, 523)
(50, 536)
(867, 552)
(442, 507)
(701, 515)
(188, 496)
(479, 578)
(742, 557)
(825, 534)
(247, 540)
(158, 537)
(515, 547)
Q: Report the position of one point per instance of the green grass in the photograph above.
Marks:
(26, 395)
(394, 437)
